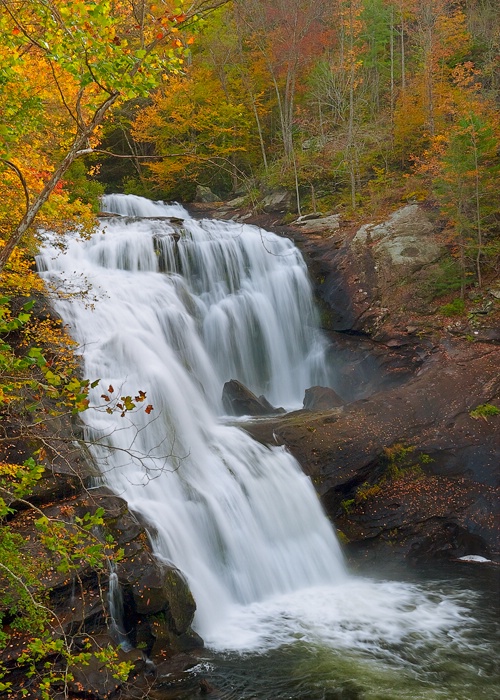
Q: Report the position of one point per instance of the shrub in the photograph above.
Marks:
(454, 308)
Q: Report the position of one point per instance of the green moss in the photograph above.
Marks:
(342, 537)
(348, 505)
(401, 462)
(484, 411)
(366, 492)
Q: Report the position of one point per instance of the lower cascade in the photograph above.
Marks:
(168, 309)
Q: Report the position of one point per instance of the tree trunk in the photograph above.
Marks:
(77, 149)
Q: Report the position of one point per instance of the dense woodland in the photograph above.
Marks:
(354, 106)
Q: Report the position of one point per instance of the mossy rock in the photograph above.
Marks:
(181, 601)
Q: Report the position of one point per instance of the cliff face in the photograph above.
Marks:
(409, 469)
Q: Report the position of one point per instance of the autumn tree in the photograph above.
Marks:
(200, 132)
(64, 68)
(90, 56)
(338, 98)
(462, 167)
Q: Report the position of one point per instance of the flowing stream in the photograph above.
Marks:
(162, 304)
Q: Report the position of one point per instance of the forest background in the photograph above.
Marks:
(353, 106)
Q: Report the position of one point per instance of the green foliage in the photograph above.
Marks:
(446, 277)
(133, 185)
(401, 463)
(454, 308)
(66, 544)
(347, 505)
(484, 411)
(201, 130)
(16, 482)
(466, 188)
(13, 369)
(366, 491)
(83, 186)
(49, 680)
(69, 543)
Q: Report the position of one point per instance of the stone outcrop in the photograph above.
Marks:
(374, 275)
(406, 238)
(238, 400)
(205, 195)
(323, 225)
(157, 606)
(278, 202)
(321, 398)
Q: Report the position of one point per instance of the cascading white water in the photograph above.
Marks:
(117, 624)
(246, 289)
(175, 319)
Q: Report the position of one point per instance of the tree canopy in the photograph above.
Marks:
(64, 67)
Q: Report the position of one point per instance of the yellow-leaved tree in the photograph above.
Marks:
(63, 67)
(201, 132)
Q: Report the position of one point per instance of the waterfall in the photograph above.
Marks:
(174, 309)
(116, 611)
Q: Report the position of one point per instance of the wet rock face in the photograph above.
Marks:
(157, 608)
(151, 590)
(403, 389)
(419, 518)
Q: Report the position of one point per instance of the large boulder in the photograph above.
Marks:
(321, 398)
(238, 400)
(324, 225)
(278, 202)
(205, 195)
(406, 238)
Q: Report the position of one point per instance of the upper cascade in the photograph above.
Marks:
(246, 290)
